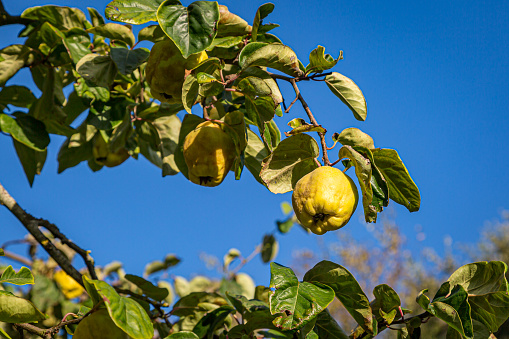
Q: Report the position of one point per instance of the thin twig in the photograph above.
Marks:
(244, 261)
(293, 102)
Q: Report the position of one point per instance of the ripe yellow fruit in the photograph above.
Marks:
(99, 325)
(209, 154)
(103, 156)
(166, 70)
(70, 288)
(324, 200)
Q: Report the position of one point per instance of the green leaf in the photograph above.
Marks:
(77, 148)
(190, 90)
(319, 61)
(149, 289)
(286, 225)
(347, 290)
(299, 125)
(156, 266)
(351, 95)
(326, 327)
(260, 110)
(486, 286)
(270, 248)
(125, 313)
(183, 335)
(378, 183)
(2, 253)
(386, 303)
(135, 12)
(363, 173)
(453, 308)
(192, 307)
(276, 56)
(31, 160)
(235, 127)
(193, 28)
(355, 137)
(77, 42)
(255, 152)
(168, 128)
(88, 90)
(274, 93)
(296, 302)
(230, 24)
(97, 18)
(100, 70)
(152, 33)
(402, 188)
(207, 325)
(114, 32)
(12, 59)
(261, 14)
(19, 96)
(127, 60)
(293, 158)
(63, 18)
(18, 310)
(26, 130)
(23, 277)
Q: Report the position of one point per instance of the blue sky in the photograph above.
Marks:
(435, 78)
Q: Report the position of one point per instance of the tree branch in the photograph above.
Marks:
(32, 225)
(18, 258)
(326, 161)
(7, 19)
(89, 261)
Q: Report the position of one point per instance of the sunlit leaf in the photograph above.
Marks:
(293, 158)
(347, 290)
(22, 277)
(319, 61)
(296, 303)
(133, 11)
(351, 95)
(402, 188)
(125, 312)
(14, 309)
(191, 28)
(114, 32)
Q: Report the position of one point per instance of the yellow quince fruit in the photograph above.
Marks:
(325, 199)
(103, 156)
(99, 325)
(166, 70)
(209, 154)
(70, 288)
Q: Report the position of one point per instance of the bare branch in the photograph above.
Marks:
(7, 19)
(89, 261)
(32, 225)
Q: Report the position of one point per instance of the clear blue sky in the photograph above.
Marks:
(435, 76)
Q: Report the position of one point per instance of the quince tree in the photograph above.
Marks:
(205, 101)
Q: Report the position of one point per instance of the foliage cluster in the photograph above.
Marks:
(115, 84)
